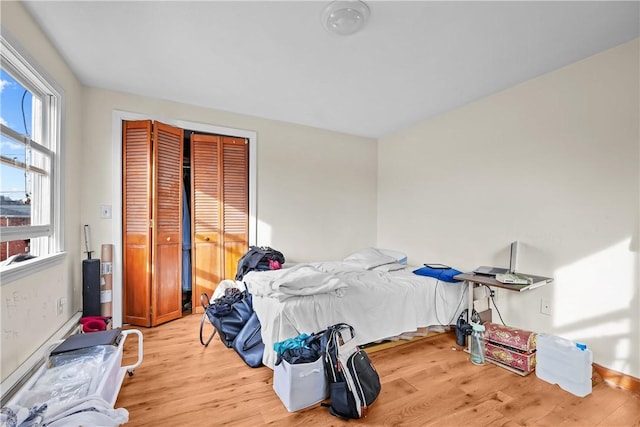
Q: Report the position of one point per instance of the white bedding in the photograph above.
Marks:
(299, 280)
(307, 298)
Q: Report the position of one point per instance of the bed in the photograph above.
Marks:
(369, 290)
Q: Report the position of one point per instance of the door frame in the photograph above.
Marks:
(117, 117)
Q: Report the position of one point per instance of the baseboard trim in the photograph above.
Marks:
(618, 379)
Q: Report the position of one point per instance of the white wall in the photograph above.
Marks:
(316, 190)
(569, 140)
(552, 163)
(29, 311)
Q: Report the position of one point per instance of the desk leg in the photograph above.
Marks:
(471, 286)
(470, 299)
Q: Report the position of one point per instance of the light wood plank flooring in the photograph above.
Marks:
(429, 382)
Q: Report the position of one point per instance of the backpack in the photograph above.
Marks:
(353, 381)
(259, 258)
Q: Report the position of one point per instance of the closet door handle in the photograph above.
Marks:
(206, 239)
(168, 239)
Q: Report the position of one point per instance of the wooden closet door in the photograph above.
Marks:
(152, 226)
(205, 215)
(235, 194)
(136, 218)
(166, 286)
(220, 218)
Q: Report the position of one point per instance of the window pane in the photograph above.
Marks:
(30, 118)
(15, 100)
(14, 247)
(13, 183)
(13, 150)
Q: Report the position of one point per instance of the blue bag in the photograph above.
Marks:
(228, 314)
(248, 343)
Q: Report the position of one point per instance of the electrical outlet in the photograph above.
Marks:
(61, 303)
(105, 211)
(545, 307)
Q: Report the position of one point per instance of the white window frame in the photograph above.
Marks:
(50, 132)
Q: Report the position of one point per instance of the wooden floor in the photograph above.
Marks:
(426, 382)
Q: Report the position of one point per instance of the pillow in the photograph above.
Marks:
(444, 274)
(394, 266)
(369, 258)
(400, 257)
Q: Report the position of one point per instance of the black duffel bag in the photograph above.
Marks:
(228, 314)
(259, 258)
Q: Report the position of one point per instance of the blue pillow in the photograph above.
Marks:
(444, 274)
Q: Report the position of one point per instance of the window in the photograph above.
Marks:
(30, 110)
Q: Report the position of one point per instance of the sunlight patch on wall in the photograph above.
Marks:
(590, 332)
(594, 289)
(264, 234)
(622, 353)
(611, 332)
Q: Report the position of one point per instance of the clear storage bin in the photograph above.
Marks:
(560, 361)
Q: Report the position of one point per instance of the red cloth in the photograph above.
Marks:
(274, 265)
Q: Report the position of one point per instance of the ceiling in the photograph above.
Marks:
(413, 60)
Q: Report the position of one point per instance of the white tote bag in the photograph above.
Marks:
(300, 385)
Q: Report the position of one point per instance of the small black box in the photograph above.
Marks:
(90, 287)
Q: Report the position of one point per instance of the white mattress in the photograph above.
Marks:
(377, 304)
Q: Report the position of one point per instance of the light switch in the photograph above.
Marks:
(105, 211)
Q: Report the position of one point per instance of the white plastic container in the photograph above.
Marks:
(560, 361)
(105, 385)
(300, 385)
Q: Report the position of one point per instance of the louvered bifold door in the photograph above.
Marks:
(136, 217)
(166, 286)
(205, 215)
(220, 219)
(235, 197)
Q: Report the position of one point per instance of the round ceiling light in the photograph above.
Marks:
(345, 17)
